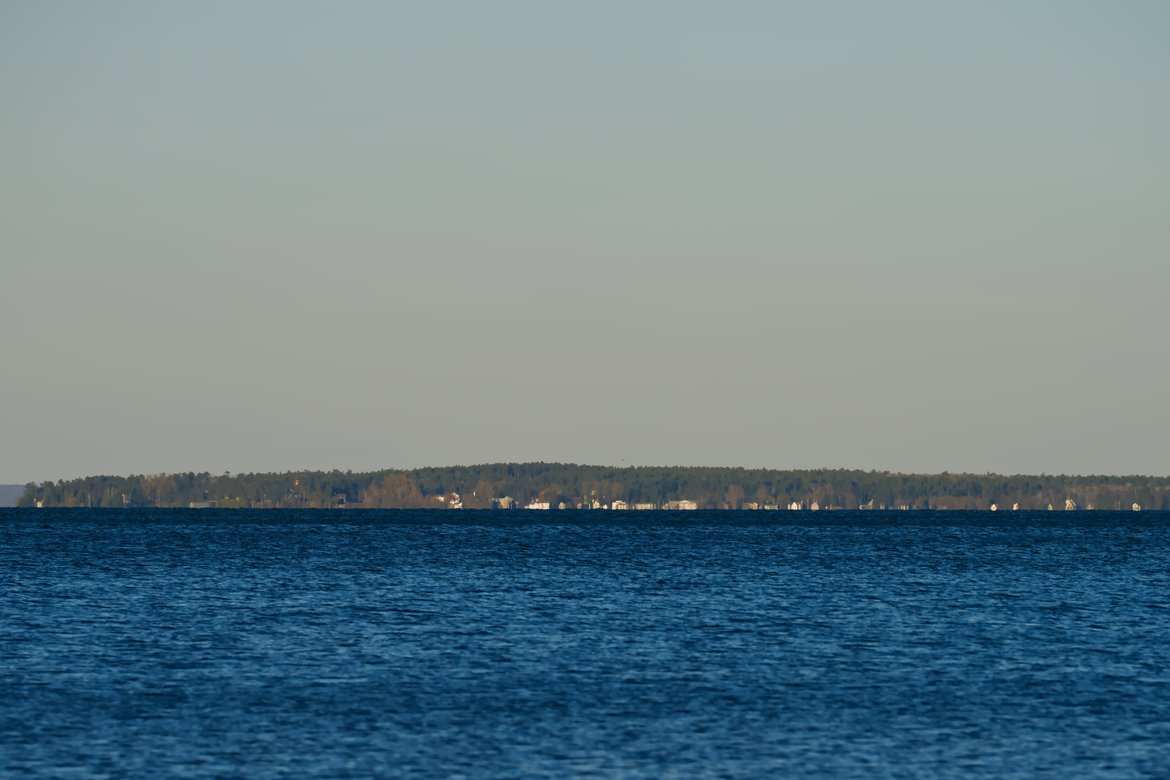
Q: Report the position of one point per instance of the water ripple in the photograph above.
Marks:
(281, 644)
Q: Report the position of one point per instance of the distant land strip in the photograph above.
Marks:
(571, 486)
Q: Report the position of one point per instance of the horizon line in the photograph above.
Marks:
(617, 467)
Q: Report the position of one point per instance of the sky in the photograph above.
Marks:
(269, 236)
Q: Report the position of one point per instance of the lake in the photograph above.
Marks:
(281, 643)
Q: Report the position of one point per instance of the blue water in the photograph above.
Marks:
(443, 644)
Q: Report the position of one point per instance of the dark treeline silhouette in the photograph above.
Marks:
(574, 486)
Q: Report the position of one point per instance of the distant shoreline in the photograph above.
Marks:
(581, 512)
(552, 486)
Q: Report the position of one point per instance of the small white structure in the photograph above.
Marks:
(644, 507)
(1069, 505)
(537, 505)
(1136, 507)
(995, 507)
(1016, 506)
(619, 504)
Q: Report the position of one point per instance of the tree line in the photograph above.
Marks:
(581, 486)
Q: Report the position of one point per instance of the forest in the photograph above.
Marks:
(570, 486)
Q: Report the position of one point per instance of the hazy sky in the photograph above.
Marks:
(256, 236)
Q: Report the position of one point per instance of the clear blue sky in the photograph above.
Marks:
(257, 236)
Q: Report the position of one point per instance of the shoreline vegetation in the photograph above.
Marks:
(552, 486)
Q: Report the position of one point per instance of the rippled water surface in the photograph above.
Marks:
(439, 644)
